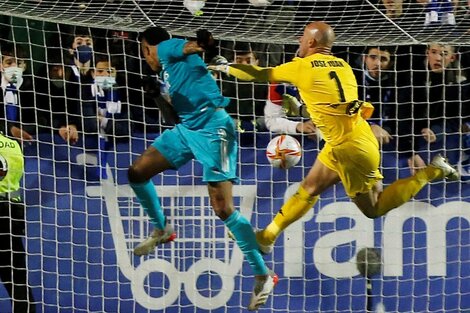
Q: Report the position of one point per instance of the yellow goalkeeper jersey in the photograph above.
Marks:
(328, 87)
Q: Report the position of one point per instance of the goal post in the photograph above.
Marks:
(83, 220)
(356, 22)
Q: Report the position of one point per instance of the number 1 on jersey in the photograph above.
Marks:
(334, 76)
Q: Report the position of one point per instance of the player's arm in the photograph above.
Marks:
(204, 42)
(287, 72)
(276, 119)
(191, 47)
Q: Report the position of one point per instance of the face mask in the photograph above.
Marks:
(83, 53)
(105, 82)
(59, 83)
(13, 74)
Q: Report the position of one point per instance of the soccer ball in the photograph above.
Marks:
(283, 151)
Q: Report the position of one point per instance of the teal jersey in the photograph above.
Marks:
(193, 92)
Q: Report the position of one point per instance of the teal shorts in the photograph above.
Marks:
(214, 146)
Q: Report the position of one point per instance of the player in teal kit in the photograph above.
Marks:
(205, 133)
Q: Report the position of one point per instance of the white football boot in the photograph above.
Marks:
(441, 163)
(264, 286)
(157, 237)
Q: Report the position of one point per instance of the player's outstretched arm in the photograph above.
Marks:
(245, 72)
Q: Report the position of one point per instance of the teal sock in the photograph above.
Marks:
(148, 198)
(246, 240)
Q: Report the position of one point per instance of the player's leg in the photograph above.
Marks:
(220, 194)
(377, 203)
(319, 178)
(220, 166)
(149, 164)
(153, 161)
(22, 295)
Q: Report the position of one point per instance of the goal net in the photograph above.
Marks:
(412, 61)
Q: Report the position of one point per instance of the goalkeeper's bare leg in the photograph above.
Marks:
(220, 194)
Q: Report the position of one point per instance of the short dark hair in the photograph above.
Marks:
(241, 47)
(154, 35)
(7, 49)
(389, 49)
(81, 31)
(12, 50)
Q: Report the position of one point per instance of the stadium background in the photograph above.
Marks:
(81, 231)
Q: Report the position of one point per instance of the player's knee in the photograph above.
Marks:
(312, 189)
(135, 174)
(371, 213)
(367, 207)
(221, 207)
(222, 211)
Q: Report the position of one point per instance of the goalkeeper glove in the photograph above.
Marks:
(291, 105)
(219, 64)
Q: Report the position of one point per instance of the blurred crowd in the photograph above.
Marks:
(79, 83)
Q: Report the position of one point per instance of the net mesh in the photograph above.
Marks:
(356, 22)
(83, 220)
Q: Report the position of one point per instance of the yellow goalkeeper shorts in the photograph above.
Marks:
(356, 161)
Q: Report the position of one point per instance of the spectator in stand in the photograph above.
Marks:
(377, 85)
(112, 113)
(439, 12)
(393, 8)
(409, 15)
(13, 122)
(446, 94)
(275, 115)
(434, 95)
(247, 99)
(444, 81)
(56, 100)
(80, 61)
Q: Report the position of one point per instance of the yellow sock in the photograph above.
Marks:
(291, 211)
(402, 190)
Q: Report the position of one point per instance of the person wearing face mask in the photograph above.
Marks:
(80, 81)
(112, 114)
(12, 121)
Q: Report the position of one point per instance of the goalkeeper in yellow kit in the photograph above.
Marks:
(351, 154)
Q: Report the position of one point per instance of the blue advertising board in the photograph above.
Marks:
(81, 232)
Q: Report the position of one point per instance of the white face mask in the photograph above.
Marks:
(59, 83)
(105, 82)
(13, 74)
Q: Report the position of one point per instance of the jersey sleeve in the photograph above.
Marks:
(171, 50)
(287, 72)
(275, 94)
(276, 119)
